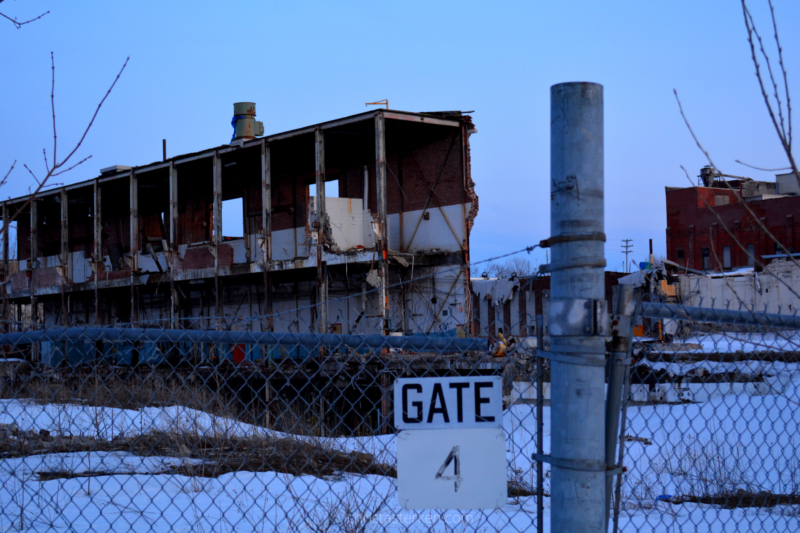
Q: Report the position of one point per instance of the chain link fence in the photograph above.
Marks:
(711, 421)
(205, 430)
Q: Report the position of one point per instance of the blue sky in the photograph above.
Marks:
(306, 62)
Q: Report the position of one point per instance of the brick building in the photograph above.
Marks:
(702, 221)
(145, 245)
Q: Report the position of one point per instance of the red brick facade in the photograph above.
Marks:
(703, 221)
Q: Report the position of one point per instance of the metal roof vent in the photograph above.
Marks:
(245, 126)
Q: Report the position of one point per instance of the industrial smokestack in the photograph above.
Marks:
(245, 126)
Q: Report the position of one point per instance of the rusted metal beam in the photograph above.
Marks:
(422, 119)
(380, 170)
(465, 225)
(319, 202)
(64, 256)
(217, 236)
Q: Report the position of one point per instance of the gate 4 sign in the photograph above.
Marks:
(451, 450)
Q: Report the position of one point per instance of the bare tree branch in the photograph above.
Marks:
(5, 178)
(59, 167)
(764, 169)
(91, 122)
(19, 24)
(782, 134)
(53, 105)
(783, 70)
(768, 63)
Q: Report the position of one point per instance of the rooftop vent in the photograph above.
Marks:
(245, 126)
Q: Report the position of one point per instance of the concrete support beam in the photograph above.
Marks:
(172, 253)
(380, 170)
(34, 260)
(66, 270)
(6, 251)
(266, 230)
(217, 237)
(134, 207)
(322, 275)
(97, 255)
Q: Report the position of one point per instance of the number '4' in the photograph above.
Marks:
(452, 457)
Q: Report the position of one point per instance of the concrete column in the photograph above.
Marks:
(34, 261)
(266, 229)
(576, 227)
(6, 250)
(217, 236)
(66, 267)
(134, 245)
(322, 277)
(98, 249)
(173, 244)
(380, 170)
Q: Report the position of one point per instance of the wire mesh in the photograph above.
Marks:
(711, 422)
(235, 428)
(241, 428)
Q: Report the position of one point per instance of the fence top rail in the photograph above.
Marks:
(413, 343)
(719, 316)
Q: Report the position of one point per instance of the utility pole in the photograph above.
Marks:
(578, 319)
(626, 249)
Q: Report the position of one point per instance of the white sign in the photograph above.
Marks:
(452, 469)
(454, 402)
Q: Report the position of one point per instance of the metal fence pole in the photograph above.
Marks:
(621, 330)
(577, 317)
(539, 423)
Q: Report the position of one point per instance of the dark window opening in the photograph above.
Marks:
(680, 254)
(751, 255)
(706, 259)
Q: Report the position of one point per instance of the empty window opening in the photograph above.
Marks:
(680, 254)
(331, 189)
(751, 255)
(233, 218)
(706, 259)
(726, 257)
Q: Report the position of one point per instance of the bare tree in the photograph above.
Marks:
(516, 266)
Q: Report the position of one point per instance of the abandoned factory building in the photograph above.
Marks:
(704, 222)
(146, 246)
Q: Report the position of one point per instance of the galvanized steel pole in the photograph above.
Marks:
(577, 315)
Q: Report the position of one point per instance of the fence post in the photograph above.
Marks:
(577, 319)
(621, 330)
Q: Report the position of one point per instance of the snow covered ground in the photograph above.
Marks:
(738, 441)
